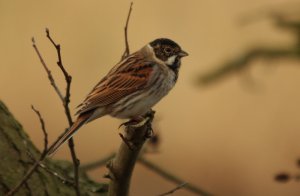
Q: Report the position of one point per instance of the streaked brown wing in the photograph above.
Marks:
(131, 75)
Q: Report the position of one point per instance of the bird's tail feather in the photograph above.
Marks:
(81, 120)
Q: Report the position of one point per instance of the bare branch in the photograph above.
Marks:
(66, 102)
(152, 166)
(50, 77)
(67, 76)
(174, 190)
(244, 61)
(43, 129)
(76, 164)
(37, 163)
(170, 177)
(127, 51)
(59, 62)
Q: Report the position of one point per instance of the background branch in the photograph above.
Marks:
(244, 61)
(151, 166)
(50, 77)
(269, 53)
(172, 178)
(174, 190)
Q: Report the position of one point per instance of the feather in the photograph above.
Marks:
(129, 76)
(81, 120)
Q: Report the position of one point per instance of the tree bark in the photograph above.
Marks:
(15, 161)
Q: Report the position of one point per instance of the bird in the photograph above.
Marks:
(132, 87)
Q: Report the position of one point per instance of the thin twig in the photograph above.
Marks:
(76, 164)
(67, 76)
(48, 170)
(170, 177)
(52, 81)
(66, 102)
(127, 51)
(174, 190)
(59, 62)
(42, 122)
(37, 163)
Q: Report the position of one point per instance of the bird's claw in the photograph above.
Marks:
(135, 123)
(150, 132)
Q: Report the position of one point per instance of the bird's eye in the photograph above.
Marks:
(168, 50)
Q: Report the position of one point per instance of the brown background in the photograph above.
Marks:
(229, 138)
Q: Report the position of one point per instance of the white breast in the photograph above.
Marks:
(141, 102)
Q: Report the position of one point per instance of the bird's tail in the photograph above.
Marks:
(81, 120)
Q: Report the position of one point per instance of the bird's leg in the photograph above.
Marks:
(150, 132)
(135, 123)
(149, 116)
(140, 121)
(128, 123)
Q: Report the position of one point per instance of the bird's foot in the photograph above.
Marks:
(135, 123)
(139, 121)
(149, 132)
(130, 123)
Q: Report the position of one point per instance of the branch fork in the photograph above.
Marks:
(121, 167)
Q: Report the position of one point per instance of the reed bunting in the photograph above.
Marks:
(132, 87)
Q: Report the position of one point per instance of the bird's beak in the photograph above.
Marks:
(183, 53)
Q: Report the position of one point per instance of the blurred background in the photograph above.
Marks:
(229, 137)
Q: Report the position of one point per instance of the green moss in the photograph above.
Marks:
(15, 162)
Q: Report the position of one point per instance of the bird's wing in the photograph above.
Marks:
(129, 76)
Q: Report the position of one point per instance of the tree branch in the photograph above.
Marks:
(42, 122)
(66, 102)
(243, 62)
(170, 177)
(121, 167)
(68, 78)
(50, 77)
(174, 190)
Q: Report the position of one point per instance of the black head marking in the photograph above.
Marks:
(165, 48)
(169, 52)
(164, 41)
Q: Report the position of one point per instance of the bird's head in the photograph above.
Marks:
(168, 51)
